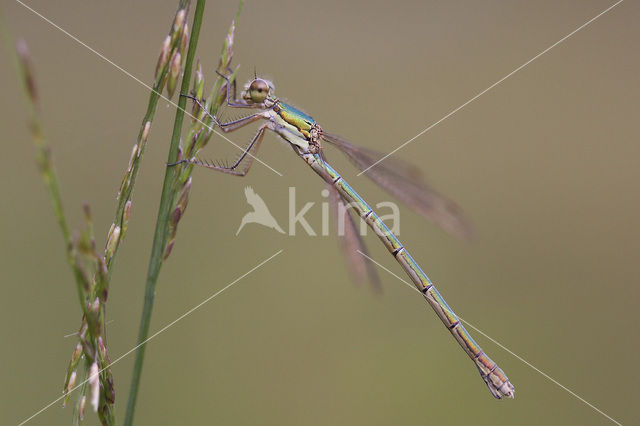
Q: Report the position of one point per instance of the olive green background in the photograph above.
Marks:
(545, 165)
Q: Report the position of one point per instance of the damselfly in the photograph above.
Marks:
(305, 136)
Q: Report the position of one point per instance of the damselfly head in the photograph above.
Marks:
(257, 91)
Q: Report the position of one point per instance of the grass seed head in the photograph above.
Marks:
(198, 83)
(94, 385)
(26, 69)
(167, 251)
(112, 240)
(83, 404)
(126, 214)
(72, 381)
(77, 353)
(146, 130)
(184, 42)
(174, 73)
(179, 22)
(163, 59)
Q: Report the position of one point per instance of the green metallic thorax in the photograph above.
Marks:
(296, 118)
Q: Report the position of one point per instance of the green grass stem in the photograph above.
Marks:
(162, 224)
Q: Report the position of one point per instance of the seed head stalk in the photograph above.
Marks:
(162, 224)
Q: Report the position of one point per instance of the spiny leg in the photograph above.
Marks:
(246, 159)
(234, 84)
(228, 126)
(235, 103)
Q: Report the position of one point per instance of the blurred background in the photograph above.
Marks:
(545, 165)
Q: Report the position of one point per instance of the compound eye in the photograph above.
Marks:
(258, 91)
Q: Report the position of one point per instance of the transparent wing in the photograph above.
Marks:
(350, 242)
(404, 181)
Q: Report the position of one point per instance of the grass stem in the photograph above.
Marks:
(162, 224)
